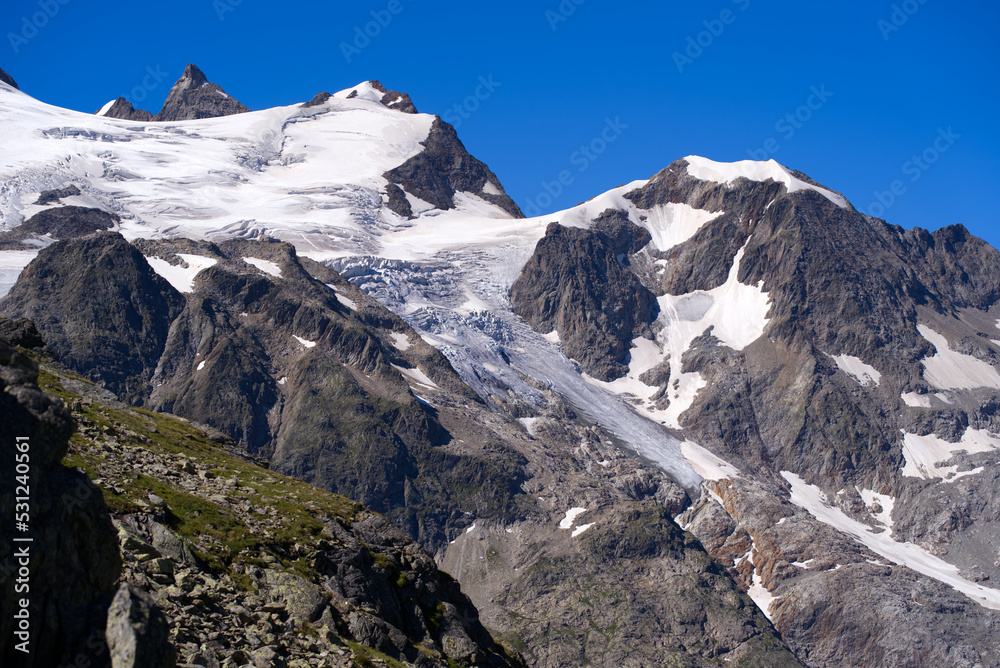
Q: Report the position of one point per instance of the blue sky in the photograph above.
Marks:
(866, 97)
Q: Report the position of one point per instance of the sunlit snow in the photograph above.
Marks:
(923, 453)
(400, 341)
(865, 374)
(182, 278)
(950, 370)
(727, 172)
(812, 499)
(305, 342)
(570, 519)
(265, 266)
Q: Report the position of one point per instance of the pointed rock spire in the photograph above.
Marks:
(194, 96)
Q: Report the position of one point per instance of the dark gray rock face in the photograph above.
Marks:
(318, 99)
(444, 167)
(66, 222)
(332, 411)
(137, 633)
(73, 560)
(100, 308)
(578, 284)
(124, 110)
(52, 196)
(7, 79)
(193, 96)
(393, 99)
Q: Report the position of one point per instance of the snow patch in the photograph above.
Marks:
(491, 189)
(471, 529)
(885, 502)
(571, 515)
(865, 374)
(529, 424)
(914, 400)
(706, 464)
(106, 108)
(12, 263)
(761, 596)
(305, 342)
(283, 380)
(201, 365)
(580, 529)
(552, 337)
(810, 498)
(673, 224)
(727, 172)
(182, 278)
(924, 453)
(265, 266)
(737, 314)
(950, 370)
(400, 341)
(417, 376)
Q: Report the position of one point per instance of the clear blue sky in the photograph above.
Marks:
(565, 69)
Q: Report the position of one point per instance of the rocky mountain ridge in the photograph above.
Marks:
(478, 475)
(809, 392)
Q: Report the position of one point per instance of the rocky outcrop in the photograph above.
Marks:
(101, 309)
(124, 110)
(194, 96)
(348, 397)
(137, 632)
(7, 79)
(59, 222)
(578, 284)
(443, 168)
(317, 100)
(67, 572)
(310, 379)
(239, 565)
(393, 99)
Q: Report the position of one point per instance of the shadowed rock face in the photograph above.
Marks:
(443, 168)
(56, 223)
(839, 284)
(7, 79)
(193, 96)
(74, 558)
(101, 309)
(328, 407)
(578, 284)
(124, 110)
(336, 409)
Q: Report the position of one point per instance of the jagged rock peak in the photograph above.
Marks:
(7, 79)
(123, 109)
(194, 96)
(193, 77)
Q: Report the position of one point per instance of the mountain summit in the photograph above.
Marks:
(194, 96)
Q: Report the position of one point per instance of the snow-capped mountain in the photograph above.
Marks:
(823, 385)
